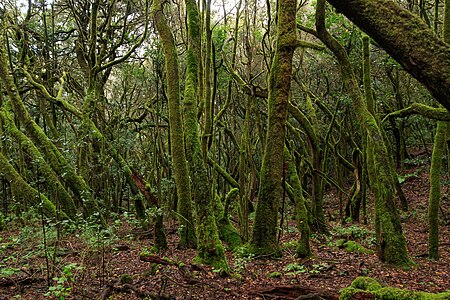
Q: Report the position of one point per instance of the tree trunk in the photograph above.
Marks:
(407, 39)
(303, 247)
(23, 191)
(264, 239)
(51, 178)
(439, 148)
(209, 247)
(53, 156)
(181, 174)
(391, 241)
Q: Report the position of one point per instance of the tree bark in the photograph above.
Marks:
(390, 238)
(209, 247)
(264, 238)
(407, 39)
(181, 173)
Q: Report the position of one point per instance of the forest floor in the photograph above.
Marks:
(117, 263)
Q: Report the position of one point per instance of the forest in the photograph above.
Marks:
(224, 149)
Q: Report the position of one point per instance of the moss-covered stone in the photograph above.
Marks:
(369, 288)
(352, 246)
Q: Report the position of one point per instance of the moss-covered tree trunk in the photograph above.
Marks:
(181, 173)
(51, 153)
(317, 162)
(303, 247)
(264, 237)
(390, 238)
(245, 172)
(316, 155)
(407, 39)
(97, 136)
(209, 247)
(207, 82)
(24, 192)
(51, 179)
(439, 147)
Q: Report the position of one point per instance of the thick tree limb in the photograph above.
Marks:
(426, 111)
(407, 39)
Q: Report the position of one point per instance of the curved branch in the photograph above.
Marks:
(407, 39)
(440, 114)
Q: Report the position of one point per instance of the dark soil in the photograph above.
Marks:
(112, 267)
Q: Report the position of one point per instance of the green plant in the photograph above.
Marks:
(126, 278)
(96, 236)
(403, 178)
(354, 233)
(318, 268)
(6, 272)
(61, 289)
(241, 261)
(295, 269)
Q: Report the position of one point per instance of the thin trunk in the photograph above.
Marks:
(390, 239)
(303, 247)
(439, 146)
(209, 247)
(51, 153)
(181, 173)
(264, 238)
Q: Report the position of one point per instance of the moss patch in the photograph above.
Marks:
(352, 246)
(369, 288)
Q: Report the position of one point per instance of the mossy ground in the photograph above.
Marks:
(370, 287)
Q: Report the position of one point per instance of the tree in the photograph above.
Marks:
(390, 238)
(439, 147)
(407, 39)
(209, 247)
(181, 173)
(264, 237)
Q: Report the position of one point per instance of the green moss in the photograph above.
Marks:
(275, 274)
(209, 247)
(439, 148)
(264, 233)
(352, 246)
(50, 152)
(52, 182)
(177, 133)
(303, 246)
(126, 279)
(369, 288)
(366, 283)
(23, 191)
(228, 233)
